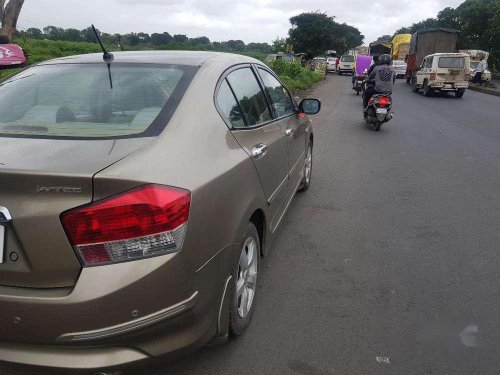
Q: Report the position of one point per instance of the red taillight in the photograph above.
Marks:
(143, 222)
(384, 101)
(432, 76)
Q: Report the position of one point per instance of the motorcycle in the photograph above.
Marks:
(379, 110)
(358, 83)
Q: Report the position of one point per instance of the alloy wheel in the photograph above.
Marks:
(247, 276)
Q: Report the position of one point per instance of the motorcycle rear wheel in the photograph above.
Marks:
(377, 125)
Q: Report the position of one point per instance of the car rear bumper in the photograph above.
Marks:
(449, 86)
(154, 308)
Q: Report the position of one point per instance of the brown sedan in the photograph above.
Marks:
(135, 202)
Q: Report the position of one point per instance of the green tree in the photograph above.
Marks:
(384, 38)
(316, 32)
(161, 39)
(53, 32)
(199, 41)
(180, 38)
(72, 35)
(33, 33)
(312, 33)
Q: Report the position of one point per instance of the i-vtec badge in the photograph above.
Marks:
(59, 189)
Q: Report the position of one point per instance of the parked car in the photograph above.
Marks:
(346, 64)
(330, 64)
(443, 72)
(135, 206)
(400, 68)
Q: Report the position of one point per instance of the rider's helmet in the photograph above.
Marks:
(384, 59)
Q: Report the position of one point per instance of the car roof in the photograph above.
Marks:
(190, 58)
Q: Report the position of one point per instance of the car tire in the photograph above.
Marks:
(459, 94)
(244, 282)
(426, 90)
(307, 171)
(414, 86)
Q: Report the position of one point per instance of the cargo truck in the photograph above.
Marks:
(427, 42)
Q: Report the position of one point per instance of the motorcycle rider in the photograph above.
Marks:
(380, 80)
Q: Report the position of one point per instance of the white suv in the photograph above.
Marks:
(442, 72)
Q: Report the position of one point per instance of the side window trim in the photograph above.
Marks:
(222, 78)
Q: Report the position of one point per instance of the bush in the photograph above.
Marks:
(294, 76)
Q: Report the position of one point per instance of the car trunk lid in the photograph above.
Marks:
(40, 179)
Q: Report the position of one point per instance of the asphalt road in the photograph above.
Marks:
(390, 263)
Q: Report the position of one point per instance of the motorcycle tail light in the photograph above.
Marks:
(141, 223)
(384, 101)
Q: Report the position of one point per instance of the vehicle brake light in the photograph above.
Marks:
(141, 223)
(384, 101)
(432, 77)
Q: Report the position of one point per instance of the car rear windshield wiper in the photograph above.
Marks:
(106, 56)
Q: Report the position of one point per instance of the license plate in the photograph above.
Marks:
(2, 241)
(382, 110)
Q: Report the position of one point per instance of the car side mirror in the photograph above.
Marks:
(309, 106)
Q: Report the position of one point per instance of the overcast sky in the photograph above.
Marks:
(251, 21)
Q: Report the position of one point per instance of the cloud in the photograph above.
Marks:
(254, 21)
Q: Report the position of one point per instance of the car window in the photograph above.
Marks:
(428, 62)
(451, 62)
(229, 106)
(78, 101)
(347, 58)
(250, 96)
(281, 102)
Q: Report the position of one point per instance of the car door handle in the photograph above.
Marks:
(259, 151)
(289, 132)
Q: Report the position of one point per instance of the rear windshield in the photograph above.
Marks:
(451, 62)
(474, 64)
(347, 58)
(78, 101)
(331, 59)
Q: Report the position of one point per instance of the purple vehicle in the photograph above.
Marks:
(363, 63)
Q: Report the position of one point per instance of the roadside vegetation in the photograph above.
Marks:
(294, 75)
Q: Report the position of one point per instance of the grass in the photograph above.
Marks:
(292, 74)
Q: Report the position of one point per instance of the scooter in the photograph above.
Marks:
(358, 83)
(379, 110)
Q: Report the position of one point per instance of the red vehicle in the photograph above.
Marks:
(11, 56)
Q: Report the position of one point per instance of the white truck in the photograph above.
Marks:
(443, 72)
(475, 57)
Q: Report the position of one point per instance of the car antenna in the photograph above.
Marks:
(106, 56)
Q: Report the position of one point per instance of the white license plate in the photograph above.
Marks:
(2, 241)
(382, 110)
